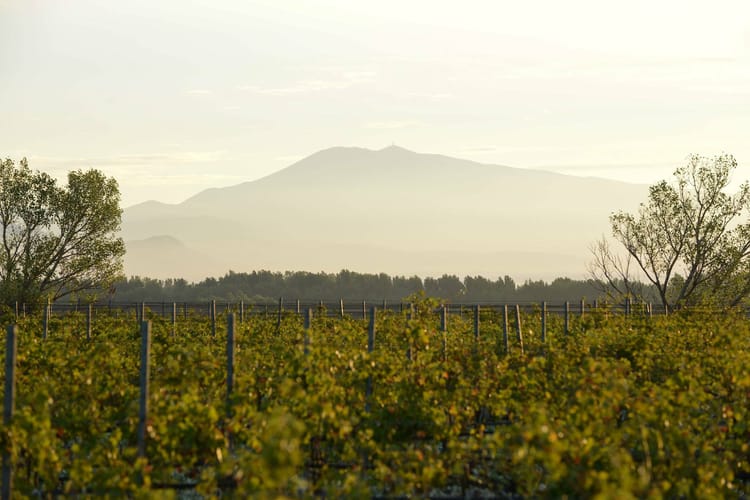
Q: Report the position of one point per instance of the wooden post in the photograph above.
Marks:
(230, 374)
(627, 306)
(371, 331)
(506, 342)
(230, 361)
(444, 330)
(519, 333)
(409, 316)
(242, 311)
(45, 319)
(212, 313)
(145, 372)
(650, 310)
(476, 323)
(298, 307)
(308, 318)
(370, 348)
(308, 324)
(11, 355)
(567, 317)
(544, 322)
(174, 318)
(583, 307)
(341, 307)
(278, 319)
(88, 321)
(364, 310)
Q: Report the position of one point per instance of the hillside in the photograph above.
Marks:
(391, 210)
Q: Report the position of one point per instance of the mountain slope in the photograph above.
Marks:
(165, 257)
(395, 211)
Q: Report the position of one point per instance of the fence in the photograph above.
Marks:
(352, 308)
(340, 308)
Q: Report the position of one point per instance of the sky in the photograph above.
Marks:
(172, 97)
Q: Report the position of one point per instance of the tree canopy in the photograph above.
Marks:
(268, 286)
(57, 240)
(690, 239)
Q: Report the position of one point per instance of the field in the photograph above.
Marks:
(620, 406)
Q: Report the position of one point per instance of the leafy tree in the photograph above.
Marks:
(57, 240)
(690, 240)
(446, 286)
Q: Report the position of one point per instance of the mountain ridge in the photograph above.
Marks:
(405, 203)
(148, 204)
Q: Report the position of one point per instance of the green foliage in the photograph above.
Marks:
(686, 239)
(267, 287)
(620, 407)
(57, 240)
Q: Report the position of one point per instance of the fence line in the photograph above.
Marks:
(340, 307)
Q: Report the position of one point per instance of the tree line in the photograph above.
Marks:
(267, 286)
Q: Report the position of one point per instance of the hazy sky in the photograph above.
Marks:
(175, 96)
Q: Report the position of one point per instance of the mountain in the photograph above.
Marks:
(391, 210)
(164, 256)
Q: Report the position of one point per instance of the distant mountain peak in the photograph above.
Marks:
(395, 149)
(339, 150)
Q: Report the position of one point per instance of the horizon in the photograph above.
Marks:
(173, 98)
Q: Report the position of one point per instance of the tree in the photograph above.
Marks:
(690, 240)
(447, 287)
(57, 240)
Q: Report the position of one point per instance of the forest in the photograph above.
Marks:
(268, 286)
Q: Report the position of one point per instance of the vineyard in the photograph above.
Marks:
(399, 404)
